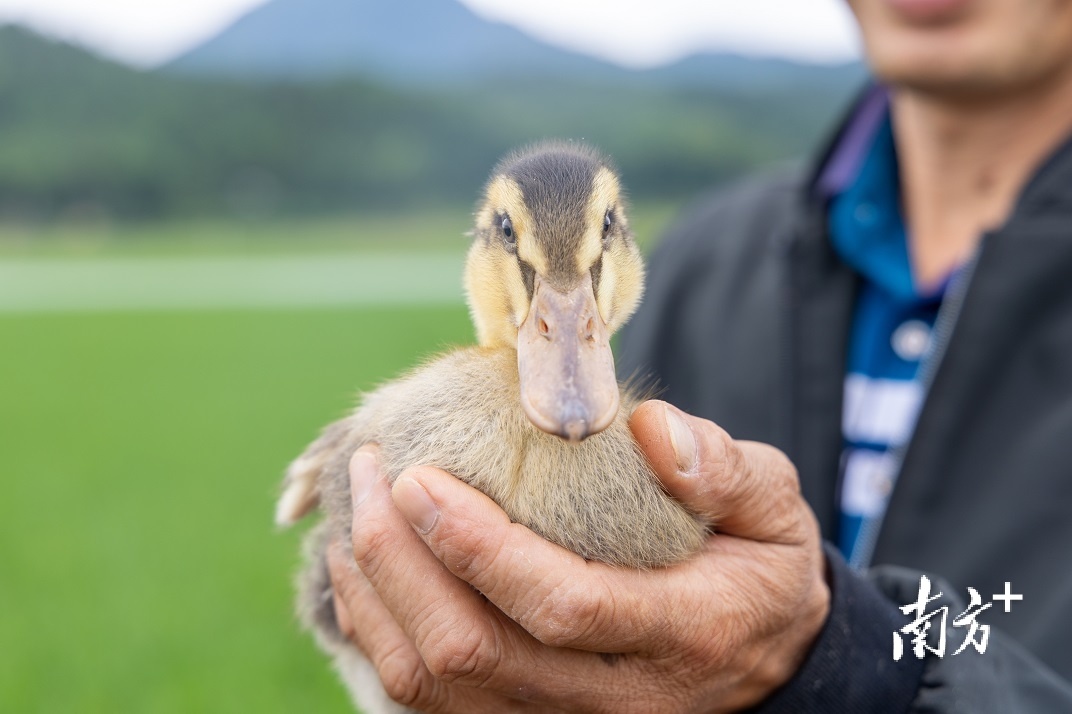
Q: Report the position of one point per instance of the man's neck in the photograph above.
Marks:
(963, 165)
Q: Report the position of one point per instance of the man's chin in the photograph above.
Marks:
(966, 88)
(933, 78)
(930, 84)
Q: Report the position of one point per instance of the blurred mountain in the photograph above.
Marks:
(82, 136)
(411, 41)
(429, 42)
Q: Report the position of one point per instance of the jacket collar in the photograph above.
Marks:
(1051, 186)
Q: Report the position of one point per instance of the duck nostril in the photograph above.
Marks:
(589, 329)
(543, 327)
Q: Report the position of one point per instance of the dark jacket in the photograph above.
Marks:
(746, 323)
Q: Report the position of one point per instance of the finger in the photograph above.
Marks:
(554, 594)
(370, 625)
(745, 488)
(462, 638)
(403, 674)
(342, 616)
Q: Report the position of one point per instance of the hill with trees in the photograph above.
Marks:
(79, 134)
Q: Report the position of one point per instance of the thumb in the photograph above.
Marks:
(743, 488)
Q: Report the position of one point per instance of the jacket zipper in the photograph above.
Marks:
(948, 315)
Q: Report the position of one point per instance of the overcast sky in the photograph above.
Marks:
(635, 33)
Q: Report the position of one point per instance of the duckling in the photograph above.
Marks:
(533, 416)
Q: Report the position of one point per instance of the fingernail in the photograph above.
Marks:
(415, 504)
(681, 439)
(364, 471)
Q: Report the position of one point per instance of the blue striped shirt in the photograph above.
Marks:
(890, 334)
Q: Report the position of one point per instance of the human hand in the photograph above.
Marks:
(461, 610)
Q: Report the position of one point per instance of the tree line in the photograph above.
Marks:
(81, 134)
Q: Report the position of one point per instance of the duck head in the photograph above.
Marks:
(553, 272)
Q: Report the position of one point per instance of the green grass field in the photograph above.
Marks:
(142, 451)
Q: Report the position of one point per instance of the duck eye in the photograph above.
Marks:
(508, 230)
(608, 221)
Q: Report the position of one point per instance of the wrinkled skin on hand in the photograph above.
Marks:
(464, 611)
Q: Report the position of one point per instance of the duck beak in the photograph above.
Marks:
(568, 385)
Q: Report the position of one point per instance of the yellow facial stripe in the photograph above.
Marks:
(498, 300)
(504, 196)
(606, 193)
(621, 284)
